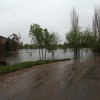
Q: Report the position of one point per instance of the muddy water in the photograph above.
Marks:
(23, 55)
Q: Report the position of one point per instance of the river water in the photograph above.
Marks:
(23, 55)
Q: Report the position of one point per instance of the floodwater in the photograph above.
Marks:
(23, 55)
(77, 79)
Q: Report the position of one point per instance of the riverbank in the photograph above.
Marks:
(16, 67)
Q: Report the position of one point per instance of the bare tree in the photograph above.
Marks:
(74, 19)
(96, 22)
(75, 29)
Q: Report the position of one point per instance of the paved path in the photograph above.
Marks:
(68, 80)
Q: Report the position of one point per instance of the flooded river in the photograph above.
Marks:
(23, 55)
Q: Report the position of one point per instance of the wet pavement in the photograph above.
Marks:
(69, 80)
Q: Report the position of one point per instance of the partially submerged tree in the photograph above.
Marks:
(89, 38)
(54, 40)
(43, 39)
(96, 21)
(96, 25)
(73, 40)
(73, 37)
(78, 38)
(36, 35)
(46, 40)
(74, 20)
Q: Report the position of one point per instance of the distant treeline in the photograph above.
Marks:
(34, 46)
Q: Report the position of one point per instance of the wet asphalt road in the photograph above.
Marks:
(66, 80)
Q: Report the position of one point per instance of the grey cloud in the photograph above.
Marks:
(18, 15)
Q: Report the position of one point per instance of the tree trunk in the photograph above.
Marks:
(45, 53)
(42, 53)
(52, 52)
(39, 54)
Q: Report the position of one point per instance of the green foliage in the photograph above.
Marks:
(54, 40)
(15, 67)
(46, 38)
(36, 34)
(21, 46)
(73, 38)
(28, 46)
(43, 39)
(62, 46)
(81, 39)
(89, 39)
(13, 42)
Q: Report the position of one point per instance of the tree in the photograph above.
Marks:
(36, 35)
(65, 45)
(73, 36)
(54, 40)
(73, 40)
(89, 39)
(8, 44)
(26, 46)
(96, 21)
(84, 39)
(74, 20)
(43, 39)
(46, 35)
(96, 25)
(21, 45)
(78, 38)
(15, 41)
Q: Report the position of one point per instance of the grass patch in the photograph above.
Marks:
(15, 67)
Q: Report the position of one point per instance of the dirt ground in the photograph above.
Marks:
(78, 79)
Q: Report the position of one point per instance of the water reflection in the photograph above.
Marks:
(23, 55)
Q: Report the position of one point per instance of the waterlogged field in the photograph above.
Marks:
(23, 55)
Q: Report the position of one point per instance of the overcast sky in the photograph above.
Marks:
(17, 15)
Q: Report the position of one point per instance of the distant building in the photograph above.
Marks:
(2, 43)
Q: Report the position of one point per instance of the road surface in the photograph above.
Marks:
(67, 80)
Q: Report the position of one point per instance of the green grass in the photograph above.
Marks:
(15, 67)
